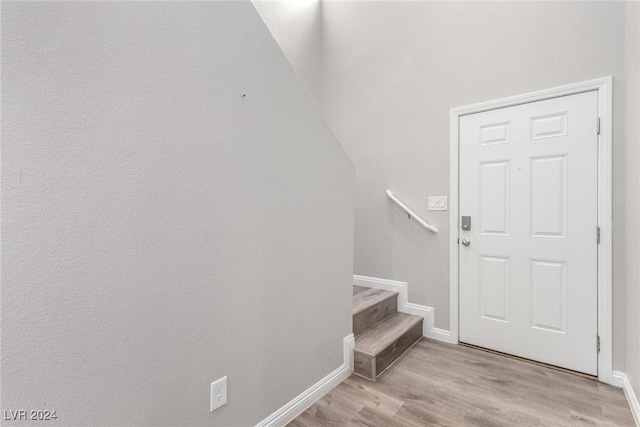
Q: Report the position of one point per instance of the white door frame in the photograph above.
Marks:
(605, 106)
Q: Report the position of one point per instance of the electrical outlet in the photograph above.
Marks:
(438, 203)
(218, 393)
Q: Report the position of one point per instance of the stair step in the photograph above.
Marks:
(382, 344)
(370, 306)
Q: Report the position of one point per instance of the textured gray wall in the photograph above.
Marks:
(160, 229)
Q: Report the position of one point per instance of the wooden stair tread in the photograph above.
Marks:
(365, 298)
(385, 333)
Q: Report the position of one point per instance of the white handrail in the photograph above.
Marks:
(411, 213)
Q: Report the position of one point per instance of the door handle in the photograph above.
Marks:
(466, 242)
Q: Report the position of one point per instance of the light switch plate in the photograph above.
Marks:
(437, 203)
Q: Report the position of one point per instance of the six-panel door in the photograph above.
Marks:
(528, 279)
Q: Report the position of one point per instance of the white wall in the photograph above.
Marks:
(391, 71)
(632, 73)
(174, 209)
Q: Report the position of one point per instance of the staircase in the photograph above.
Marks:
(382, 333)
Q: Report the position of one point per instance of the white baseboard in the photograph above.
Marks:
(299, 404)
(404, 306)
(617, 379)
(347, 344)
(622, 379)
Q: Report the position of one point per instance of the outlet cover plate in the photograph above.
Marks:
(218, 393)
(437, 203)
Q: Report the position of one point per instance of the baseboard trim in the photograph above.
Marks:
(617, 379)
(622, 379)
(299, 404)
(404, 306)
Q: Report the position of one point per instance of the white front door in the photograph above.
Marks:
(528, 277)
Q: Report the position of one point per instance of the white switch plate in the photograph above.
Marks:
(218, 393)
(437, 203)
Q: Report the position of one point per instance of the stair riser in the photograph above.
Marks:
(371, 367)
(367, 318)
(364, 365)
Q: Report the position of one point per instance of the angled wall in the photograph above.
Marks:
(174, 209)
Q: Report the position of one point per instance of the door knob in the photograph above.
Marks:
(466, 242)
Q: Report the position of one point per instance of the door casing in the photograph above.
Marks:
(604, 88)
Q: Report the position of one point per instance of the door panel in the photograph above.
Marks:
(494, 186)
(494, 288)
(549, 196)
(528, 280)
(549, 295)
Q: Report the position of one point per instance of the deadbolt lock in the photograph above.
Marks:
(466, 223)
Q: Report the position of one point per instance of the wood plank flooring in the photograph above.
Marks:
(439, 384)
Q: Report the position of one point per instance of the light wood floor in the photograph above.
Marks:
(438, 384)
